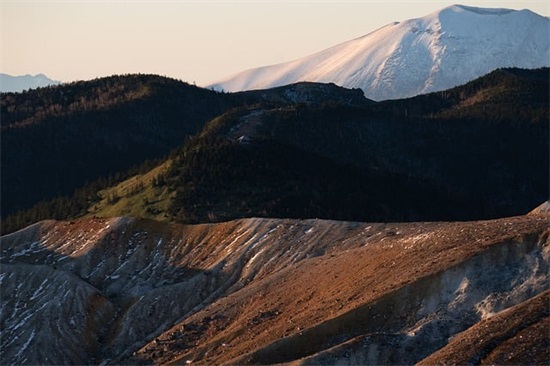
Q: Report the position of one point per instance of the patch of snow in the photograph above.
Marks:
(255, 256)
(22, 322)
(25, 345)
(229, 247)
(39, 291)
(23, 252)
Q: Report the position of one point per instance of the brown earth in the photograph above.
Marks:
(267, 291)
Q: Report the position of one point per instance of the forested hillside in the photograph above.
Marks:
(306, 150)
(57, 139)
(473, 152)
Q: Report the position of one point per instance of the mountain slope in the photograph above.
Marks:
(439, 51)
(55, 140)
(97, 130)
(312, 150)
(261, 291)
(9, 83)
(476, 151)
(508, 338)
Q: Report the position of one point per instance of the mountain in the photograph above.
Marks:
(305, 150)
(439, 51)
(9, 83)
(268, 291)
(473, 152)
(55, 140)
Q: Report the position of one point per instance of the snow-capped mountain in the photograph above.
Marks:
(9, 83)
(402, 59)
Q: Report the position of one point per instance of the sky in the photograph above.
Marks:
(195, 41)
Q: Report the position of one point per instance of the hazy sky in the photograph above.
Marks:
(196, 41)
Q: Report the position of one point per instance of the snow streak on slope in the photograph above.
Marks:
(439, 51)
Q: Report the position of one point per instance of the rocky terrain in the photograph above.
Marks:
(265, 291)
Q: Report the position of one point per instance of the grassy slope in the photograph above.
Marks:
(137, 196)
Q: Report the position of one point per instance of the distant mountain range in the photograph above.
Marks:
(9, 83)
(441, 50)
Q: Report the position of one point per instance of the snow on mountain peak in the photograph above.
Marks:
(438, 51)
(482, 11)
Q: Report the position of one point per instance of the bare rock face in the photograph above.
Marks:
(264, 291)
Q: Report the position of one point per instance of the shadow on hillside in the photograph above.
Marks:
(139, 290)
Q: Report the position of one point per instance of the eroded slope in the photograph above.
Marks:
(259, 290)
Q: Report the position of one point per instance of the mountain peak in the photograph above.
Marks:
(457, 8)
(436, 52)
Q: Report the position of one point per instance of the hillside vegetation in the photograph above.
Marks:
(442, 156)
(57, 139)
(305, 150)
